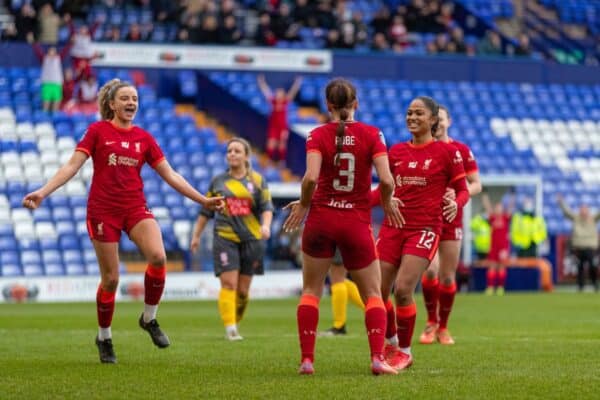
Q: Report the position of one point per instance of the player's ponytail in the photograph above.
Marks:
(107, 94)
(434, 107)
(341, 97)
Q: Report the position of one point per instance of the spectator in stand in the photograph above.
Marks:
(380, 43)
(381, 20)
(302, 12)
(68, 89)
(134, 34)
(446, 18)
(457, 40)
(283, 24)
(523, 48)
(229, 32)
(87, 91)
(439, 45)
(333, 40)
(361, 30)
(348, 37)
(164, 10)
(398, 33)
(208, 31)
(48, 25)
(278, 130)
(9, 33)
(113, 34)
(82, 51)
(52, 75)
(584, 240)
(325, 17)
(491, 44)
(264, 35)
(26, 24)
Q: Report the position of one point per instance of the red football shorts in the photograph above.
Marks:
(324, 231)
(393, 243)
(108, 227)
(451, 231)
(499, 253)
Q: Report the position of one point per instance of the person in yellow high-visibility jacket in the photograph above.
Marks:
(482, 236)
(527, 230)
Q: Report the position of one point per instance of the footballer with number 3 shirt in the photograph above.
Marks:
(422, 168)
(439, 281)
(116, 203)
(336, 187)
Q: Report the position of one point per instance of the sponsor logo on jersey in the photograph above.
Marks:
(113, 160)
(411, 180)
(340, 204)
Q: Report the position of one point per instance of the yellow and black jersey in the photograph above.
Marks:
(245, 200)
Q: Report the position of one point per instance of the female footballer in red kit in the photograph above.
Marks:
(439, 281)
(336, 187)
(116, 203)
(422, 168)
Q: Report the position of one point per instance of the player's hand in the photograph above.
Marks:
(214, 203)
(195, 244)
(450, 210)
(392, 211)
(33, 200)
(297, 214)
(450, 194)
(265, 232)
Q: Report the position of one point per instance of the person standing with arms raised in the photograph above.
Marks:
(116, 203)
(336, 187)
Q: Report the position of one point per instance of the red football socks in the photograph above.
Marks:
(447, 294)
(154, 284)
(405, 319)
(307, 315)
(375, 321)
(491, 277)
(431, 294)
(390, 329)
(501, 280)
(105, 307)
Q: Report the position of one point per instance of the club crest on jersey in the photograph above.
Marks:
(125, 145)
(224, 258)
(250, 187)
(138, 147)
(426, 164)
(398, 180)
(457, 158)
(100, 229)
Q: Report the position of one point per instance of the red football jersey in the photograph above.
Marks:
(279, 111)
(118, 156)
(422, 174)
(470, 166)
(500, 225)
(347, 186)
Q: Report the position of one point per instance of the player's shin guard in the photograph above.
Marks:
(354, 294)
(154, 284)
(105, 307)
(339, 304)
(390, 328)
(240, 306)
(405, 319)
(491, 277)
(226, 305)
(375, 321)
(447, 294)
(501, 278)
(307, 316)
(431, 294)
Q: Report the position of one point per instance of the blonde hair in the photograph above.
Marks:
(107, 94)
(248, 151)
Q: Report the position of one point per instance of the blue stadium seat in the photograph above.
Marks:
(10, 269)
(75, 269)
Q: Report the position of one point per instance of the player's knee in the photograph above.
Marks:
(430, 274)
(157, 259)
(110, 283)
(447, 281)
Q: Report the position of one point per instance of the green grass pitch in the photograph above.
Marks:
(520, 346)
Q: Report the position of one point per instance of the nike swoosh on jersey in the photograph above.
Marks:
(110, 142)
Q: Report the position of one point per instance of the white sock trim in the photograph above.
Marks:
(150, 312)
(104, 333)
(405, 350)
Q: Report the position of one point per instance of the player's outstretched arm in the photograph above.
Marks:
(62, 176)
(178, 182)
(198, 229)
(263, 86)
(294, 89)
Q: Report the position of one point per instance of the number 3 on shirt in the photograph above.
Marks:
(347, 172)
(427, 239)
